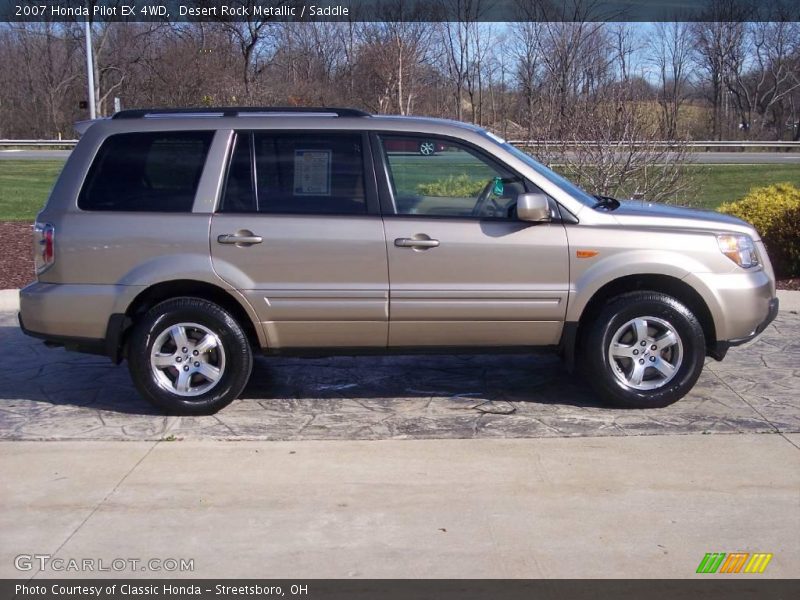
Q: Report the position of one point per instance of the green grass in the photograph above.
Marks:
(708, 186)
(24, 186)
(723, 183)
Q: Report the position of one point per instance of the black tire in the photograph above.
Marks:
(233, 361)
(607, 375)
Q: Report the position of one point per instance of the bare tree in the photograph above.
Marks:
(671, 52)
(394, 58)
(527, 53)
(462, 50)
(716, 40)
(628, 159)
(46, 63)
(772, 48)
(575, 60)
(625, 46)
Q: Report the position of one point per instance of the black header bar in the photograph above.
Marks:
(707, 587)
(397, 10)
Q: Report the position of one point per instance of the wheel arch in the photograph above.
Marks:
(167, 290)
(665, 284)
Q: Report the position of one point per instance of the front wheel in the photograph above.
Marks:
(427, 148)
(644, 350)
(189, 356)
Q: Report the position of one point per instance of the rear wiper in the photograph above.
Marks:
(606, 202)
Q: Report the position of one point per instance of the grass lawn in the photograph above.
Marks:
(723, 183)
(24, 184)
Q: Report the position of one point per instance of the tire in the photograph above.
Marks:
(217, 361)
(427, 148)
(669, 363)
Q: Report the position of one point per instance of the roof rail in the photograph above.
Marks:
(233, 111)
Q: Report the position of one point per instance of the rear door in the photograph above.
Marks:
(464, 271)
(298, 231)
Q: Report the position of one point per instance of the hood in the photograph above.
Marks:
(659, 216)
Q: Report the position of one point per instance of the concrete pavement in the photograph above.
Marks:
(560, 487)
(582, 507)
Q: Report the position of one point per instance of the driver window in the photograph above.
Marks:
(436, 177)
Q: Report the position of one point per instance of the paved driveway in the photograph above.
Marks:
(57, 395)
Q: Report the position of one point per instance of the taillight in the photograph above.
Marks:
(44, 254)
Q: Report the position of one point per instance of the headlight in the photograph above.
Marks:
(739, 248)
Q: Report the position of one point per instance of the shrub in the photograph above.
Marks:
(775, 213)
(458, 186)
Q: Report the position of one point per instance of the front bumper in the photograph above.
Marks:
(773, 312)
(720, 349)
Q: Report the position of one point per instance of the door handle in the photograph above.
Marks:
(243, 240)
(415, 243)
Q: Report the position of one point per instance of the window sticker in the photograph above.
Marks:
(312, 172)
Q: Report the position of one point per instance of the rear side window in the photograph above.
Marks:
(146, 172)
(319, 173)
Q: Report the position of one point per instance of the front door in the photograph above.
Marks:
(298, 232)
(463, 270)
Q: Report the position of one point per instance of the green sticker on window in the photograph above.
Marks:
(498, 186)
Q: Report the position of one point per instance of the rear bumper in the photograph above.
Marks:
(78, 317)
(110, 345)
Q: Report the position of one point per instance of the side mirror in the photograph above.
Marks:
(533, 207)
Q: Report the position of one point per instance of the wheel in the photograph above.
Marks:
(188, 356)
(427, 148)
(644, 350)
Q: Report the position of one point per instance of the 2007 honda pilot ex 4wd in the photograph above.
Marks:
(186, 241)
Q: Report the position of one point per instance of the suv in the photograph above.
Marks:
(186, 240)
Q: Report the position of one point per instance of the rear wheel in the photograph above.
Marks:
(189, 356)
(644, 350)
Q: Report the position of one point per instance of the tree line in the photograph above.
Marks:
(547, 81)
(627, 86)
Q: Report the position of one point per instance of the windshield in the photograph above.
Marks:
(553, 177)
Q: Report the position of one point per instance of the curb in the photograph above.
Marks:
(789, 300)
(9, 300)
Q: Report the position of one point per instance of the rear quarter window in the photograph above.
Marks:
(146, 172)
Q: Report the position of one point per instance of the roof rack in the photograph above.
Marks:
(234, 111)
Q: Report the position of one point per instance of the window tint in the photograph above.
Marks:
(319, 173)
(436, 177)
(156, 171)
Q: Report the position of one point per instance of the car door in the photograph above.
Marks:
(463, 270)
(298, 232)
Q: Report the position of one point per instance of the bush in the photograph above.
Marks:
(460, 186)
(775, 213)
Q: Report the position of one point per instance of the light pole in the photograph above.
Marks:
(90, 69)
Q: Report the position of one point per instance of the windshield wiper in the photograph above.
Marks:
(606, 202)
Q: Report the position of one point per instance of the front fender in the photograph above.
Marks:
(623, 264)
